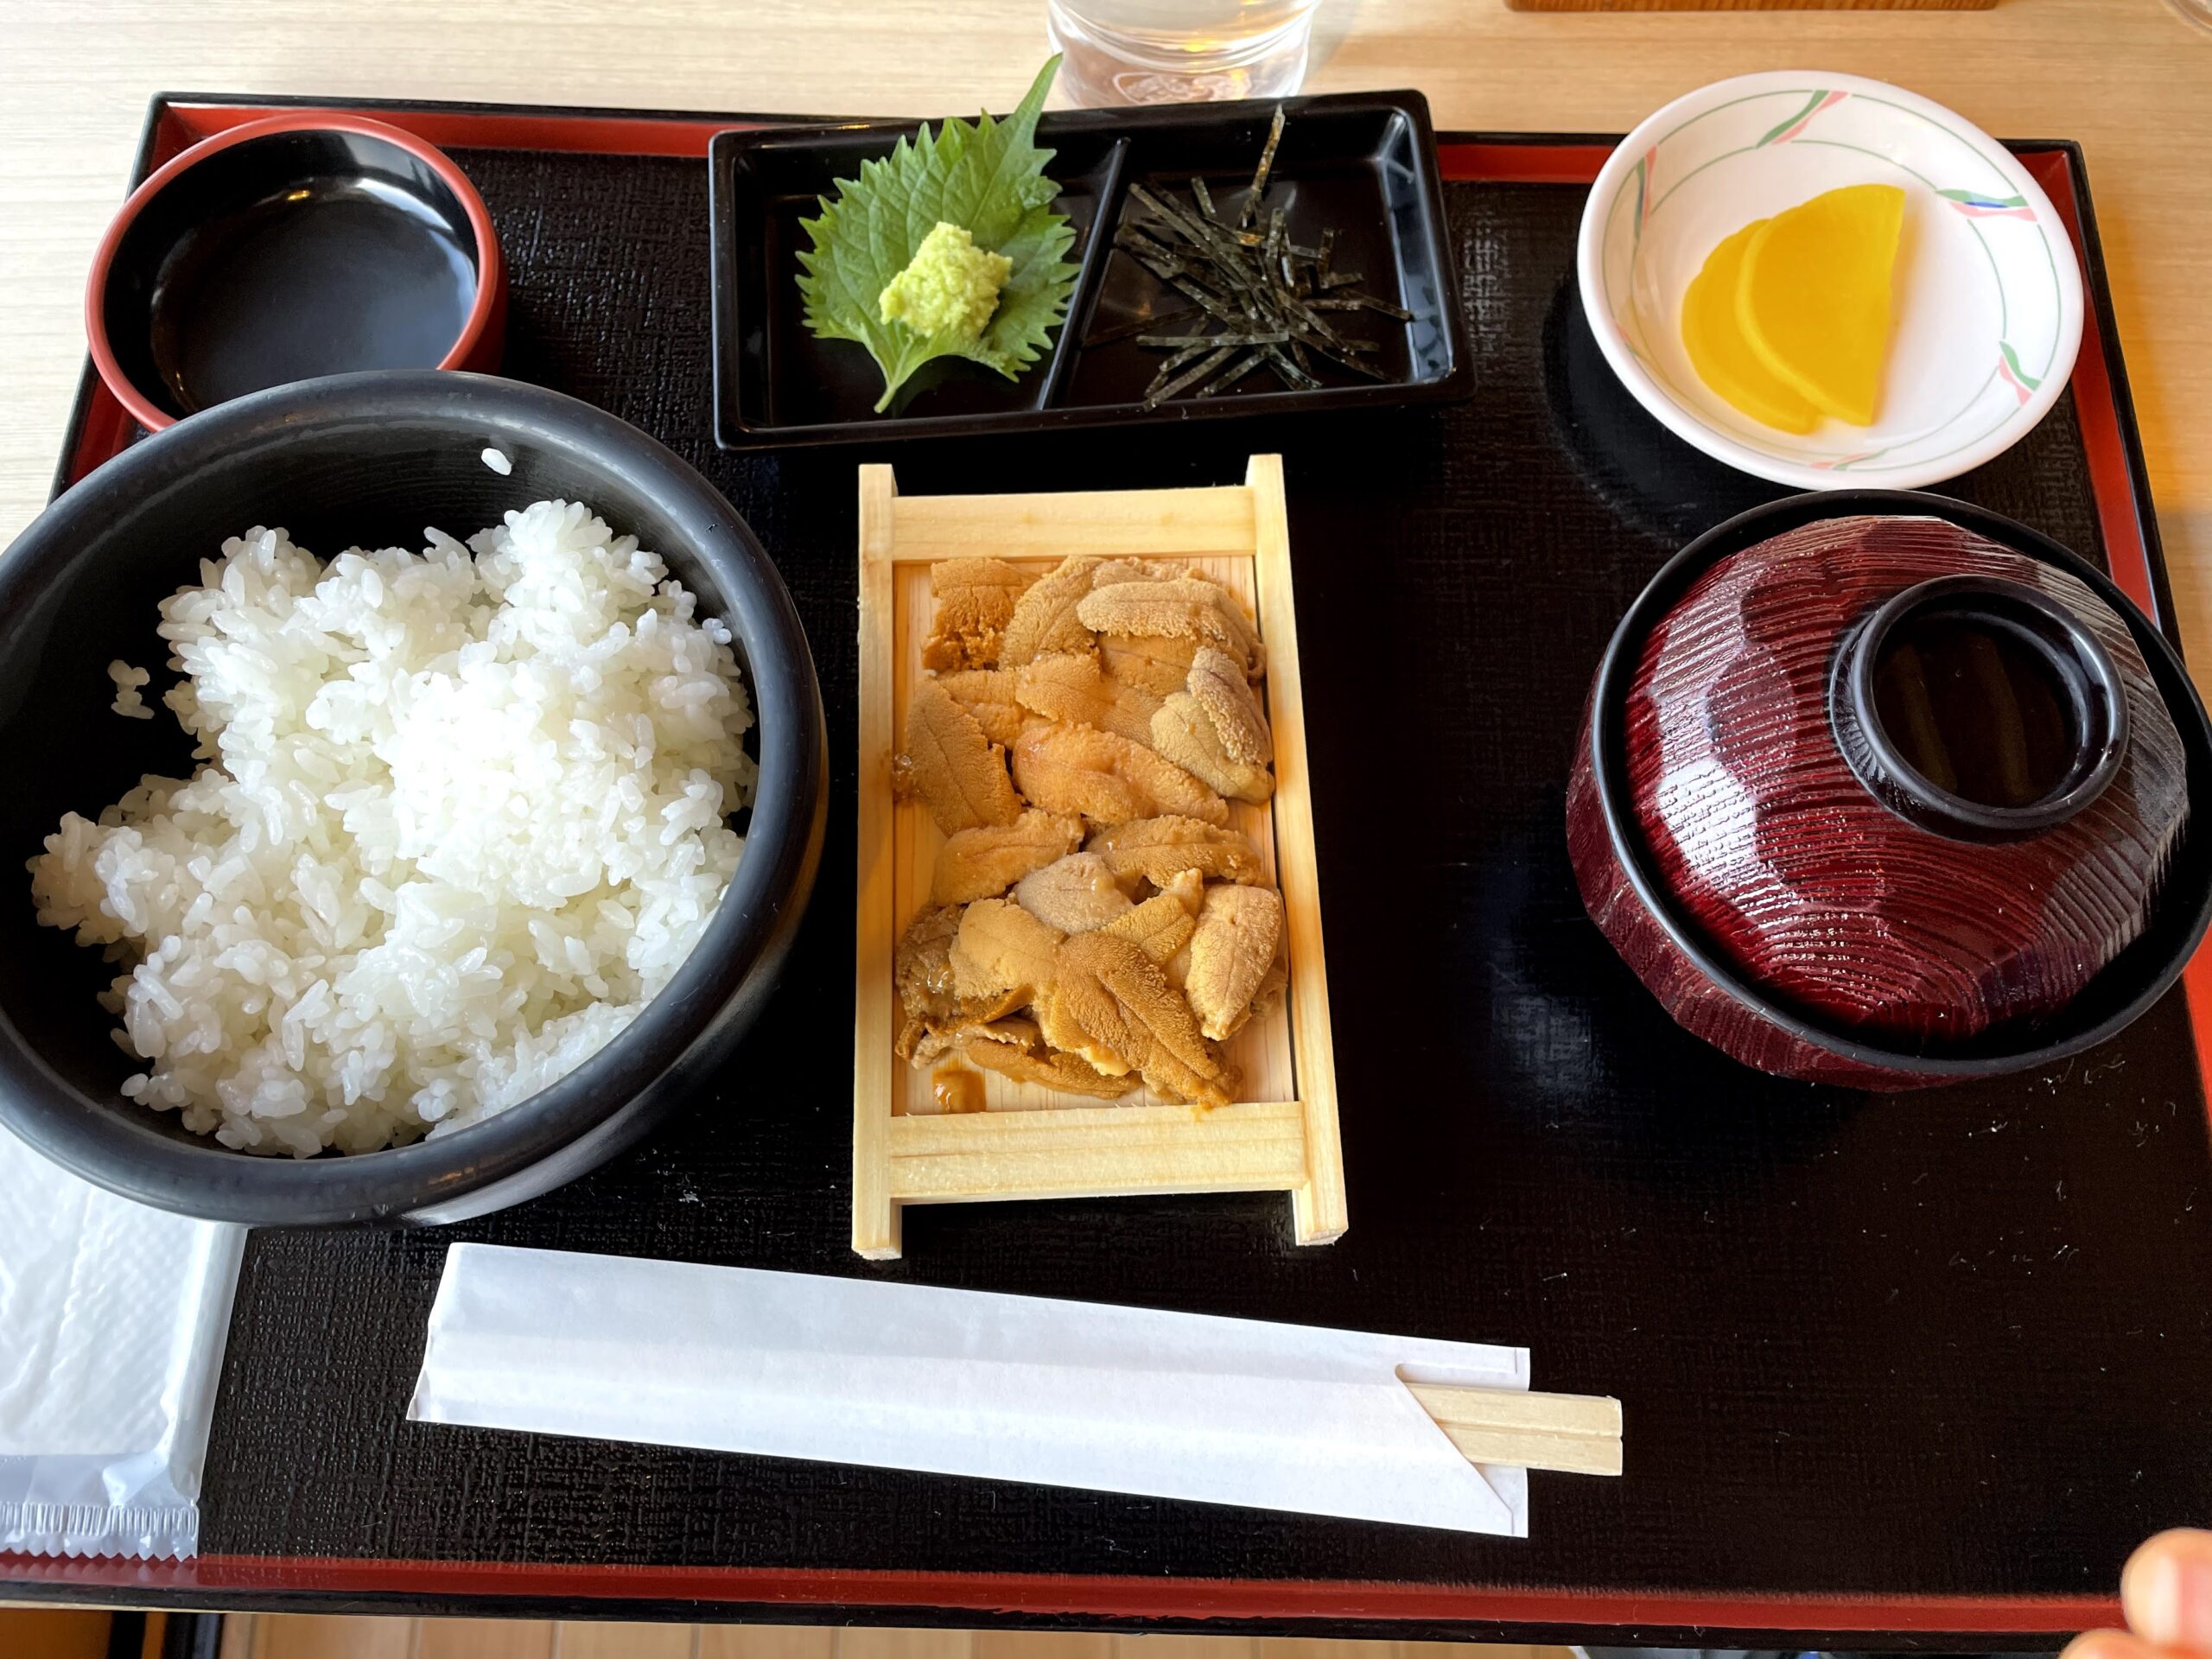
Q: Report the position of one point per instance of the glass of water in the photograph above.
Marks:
(2197, 11)
(1179, 51)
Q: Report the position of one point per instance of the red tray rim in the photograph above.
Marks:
(2121, 487)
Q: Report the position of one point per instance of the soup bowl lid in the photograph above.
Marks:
(1914, 782)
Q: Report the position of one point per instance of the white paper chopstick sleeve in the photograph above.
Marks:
(963, 1382)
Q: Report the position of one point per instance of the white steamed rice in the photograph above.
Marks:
(459, 819)
(129, 682)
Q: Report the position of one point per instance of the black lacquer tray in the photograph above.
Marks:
(1897, 1370)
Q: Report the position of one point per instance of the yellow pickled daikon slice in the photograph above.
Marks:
(1814, 301)
(1719, 351)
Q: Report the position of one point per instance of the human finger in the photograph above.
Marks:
(2166, 1591)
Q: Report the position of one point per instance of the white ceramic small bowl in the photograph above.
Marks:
(1989, 289)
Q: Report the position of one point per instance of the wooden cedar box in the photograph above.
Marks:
(1280, 1133)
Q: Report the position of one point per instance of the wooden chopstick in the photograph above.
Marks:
(1573, 1433)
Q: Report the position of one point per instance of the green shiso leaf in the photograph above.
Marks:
(987, 176)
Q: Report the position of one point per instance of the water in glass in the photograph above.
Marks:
(1172, 51)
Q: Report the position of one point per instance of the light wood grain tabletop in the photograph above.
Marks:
(2126, 78)
(263, 1637)
(49, 1633)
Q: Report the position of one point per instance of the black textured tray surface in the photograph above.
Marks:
(1948, 1344)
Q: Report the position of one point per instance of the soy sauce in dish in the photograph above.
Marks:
(320, 279)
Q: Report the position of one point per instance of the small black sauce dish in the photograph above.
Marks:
(289, 248)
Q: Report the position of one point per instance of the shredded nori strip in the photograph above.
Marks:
(1141, 325)
(1291, 373)
(1193, 229)
(1212, 304)
(1190, 375)
(1152, 393)
(1229, 376)
(1386, 307)
(1262, 293)
(1207, 339)
(1368, 371)
(1260, 173)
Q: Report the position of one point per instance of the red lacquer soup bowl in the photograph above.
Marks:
(1881, 789)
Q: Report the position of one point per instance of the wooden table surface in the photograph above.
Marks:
(2122, 76)
(2126, 78)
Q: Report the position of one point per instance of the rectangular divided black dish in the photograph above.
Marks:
(1364, 164)
(1920, 1368)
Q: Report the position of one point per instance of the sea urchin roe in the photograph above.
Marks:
(950, 287)
(984, 862)
(974, 601)
(1069, 967)
(956, 1088)
(956, 771)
